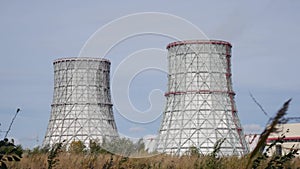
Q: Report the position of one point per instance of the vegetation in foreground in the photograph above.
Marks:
(78, 156)
(67, 160)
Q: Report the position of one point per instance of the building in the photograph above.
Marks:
(291, 131)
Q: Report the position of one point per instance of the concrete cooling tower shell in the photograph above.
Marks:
(81, 109)
(200, 107)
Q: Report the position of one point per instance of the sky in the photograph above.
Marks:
(265, 57)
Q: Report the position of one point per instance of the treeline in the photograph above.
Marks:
(119, 146)
(77, 155)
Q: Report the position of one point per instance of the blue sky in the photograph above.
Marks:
(265, 60)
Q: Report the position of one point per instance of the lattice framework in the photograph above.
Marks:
(81, 107)
(200, 107)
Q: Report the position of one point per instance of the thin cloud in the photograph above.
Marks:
(253, 128)
(136, 129)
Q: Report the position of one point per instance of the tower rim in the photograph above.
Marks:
(68, 59)
(185, 42)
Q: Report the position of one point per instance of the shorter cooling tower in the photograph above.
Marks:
(200, 107)
(81, 109)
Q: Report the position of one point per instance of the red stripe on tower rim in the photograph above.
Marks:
(199, 92)
(185, 42)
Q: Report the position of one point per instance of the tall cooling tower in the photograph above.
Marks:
(200, 107)
(81, 108)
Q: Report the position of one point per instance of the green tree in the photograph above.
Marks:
(194, 151)
(77, 147)
(140, 146)
(94, 147)
(121, 146)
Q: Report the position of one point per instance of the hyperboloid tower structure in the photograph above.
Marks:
(81, 108)
(200, 107)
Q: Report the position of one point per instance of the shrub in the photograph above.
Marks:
(76, 147)
(9, 152)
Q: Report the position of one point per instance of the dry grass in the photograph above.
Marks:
(81, 161)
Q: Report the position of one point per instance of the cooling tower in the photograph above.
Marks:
(200, 107)
(81, 108)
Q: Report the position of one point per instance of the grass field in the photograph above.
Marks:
(101, 161)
